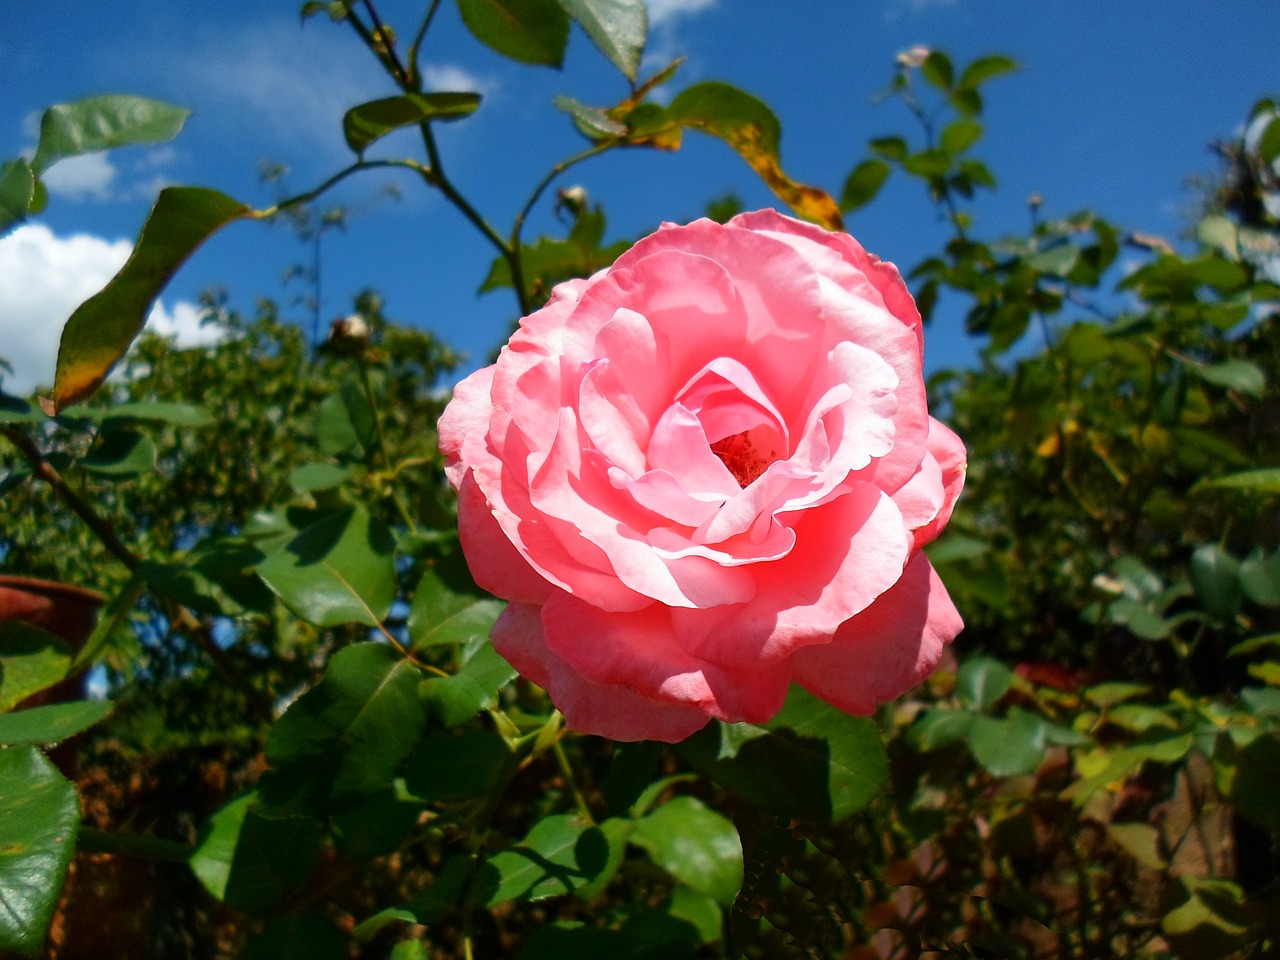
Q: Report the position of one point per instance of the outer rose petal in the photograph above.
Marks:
(605, 709)
(885, 650)
(705, 471)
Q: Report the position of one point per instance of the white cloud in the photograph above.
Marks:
(661, 11)
(44, 277)
(452, 78)
(88, 175)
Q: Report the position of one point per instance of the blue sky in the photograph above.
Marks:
(1113, 108)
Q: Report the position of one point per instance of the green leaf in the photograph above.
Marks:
(1265, 481)
(1239, 375)
(1141, 841)
(939, 728)
(99, 123)
(174, 414)
(1215, 574)
(891, 148)
(592, 122)
(39, 820)
(345, 422)
(530, 31)
(308, 935)
(51, 724)
(984, 69)
(863, 183)
(469, 766)
(959, 135)
(1008, 746)
(119, 452)
(1057, 261)
(102, 328)
(339, 569)
(248, 861)
(1269, 142)
(378, 825)
(17, 189)
(1250, 783)
(644, 935)
(14, 410)
(560, 854)
(453, 700)
(216, 578)
(810, 761)
(320, 475)
(981, 682)
(368, 122)
(31, 660)
(439, 615)
(937, 70)
(1260, 578)
(694, 844)
(348, 735)
(748, 125)
(617, 27)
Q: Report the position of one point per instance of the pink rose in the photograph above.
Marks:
(705, 473)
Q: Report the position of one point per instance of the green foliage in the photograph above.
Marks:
(310, 747)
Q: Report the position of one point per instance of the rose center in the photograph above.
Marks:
(747, 454)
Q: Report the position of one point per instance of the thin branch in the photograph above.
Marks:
(414, 74)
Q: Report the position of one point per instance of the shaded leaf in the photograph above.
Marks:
(1266, 481)
(960, 135)
(1239, 375)
(863, 183)
(368, 122)
(937, 69)
(308, 935)
(346, 422)
(984, 69)
(439, 615)
(1008, 746)
(39, 820)
(119, 452)
(466, 766)
(530, 31)
(1215, 574)
(102, 328)
(348, 735)
(810, 761)
(17, 189)
(248, 861)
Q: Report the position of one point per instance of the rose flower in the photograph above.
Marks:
(708, 472)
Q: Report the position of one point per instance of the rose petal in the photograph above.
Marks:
(639, 651)
(609, 711)
(887, 648)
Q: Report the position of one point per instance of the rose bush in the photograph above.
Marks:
(705, 473)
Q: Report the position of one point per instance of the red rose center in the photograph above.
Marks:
(745, 459)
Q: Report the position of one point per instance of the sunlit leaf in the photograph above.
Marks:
(99, 123)
(439, 615)
(368, 122)
(560, 854)
(51, 724)
(1008, 746)
(981, 682)
(39, 820)
(984, 69)
(453, 700)
(751, 128)
(102, 328)
(31, 660)
(694, 844)
(1242, 376)
(617, 27)
(339, 569)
